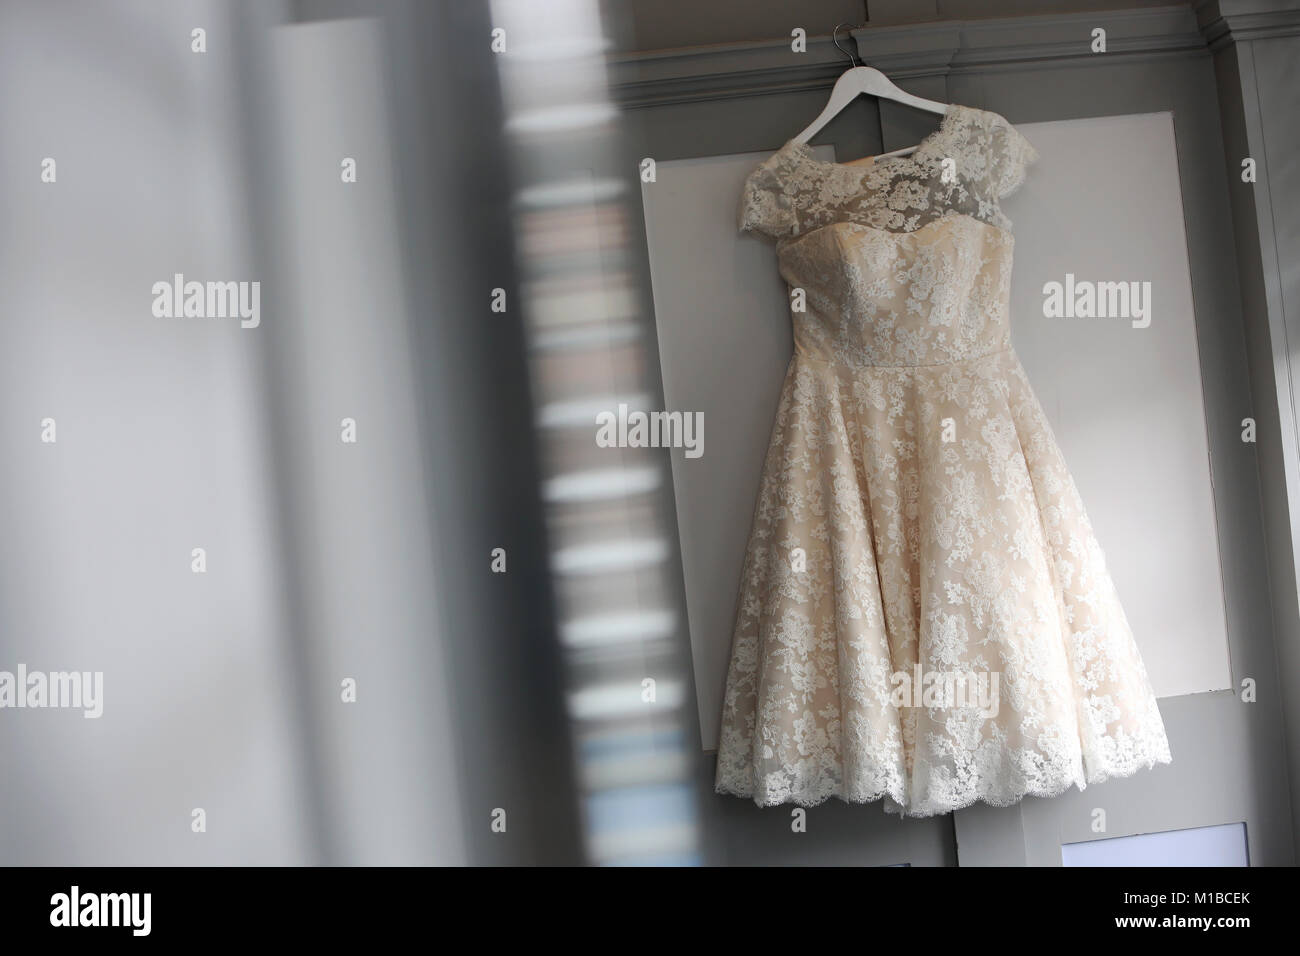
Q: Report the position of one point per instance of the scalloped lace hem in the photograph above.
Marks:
(897, 802)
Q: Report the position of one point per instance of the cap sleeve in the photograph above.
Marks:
(1010, 158)
(765, 208)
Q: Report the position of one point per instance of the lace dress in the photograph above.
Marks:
(925, 616)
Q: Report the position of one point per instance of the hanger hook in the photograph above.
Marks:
(836, 40)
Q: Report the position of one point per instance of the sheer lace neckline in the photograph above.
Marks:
(946, 123)
(970, 161)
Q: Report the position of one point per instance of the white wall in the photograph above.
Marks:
(160, 450)
(362, 516)
(221, 692)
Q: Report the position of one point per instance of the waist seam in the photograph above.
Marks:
(806, 357)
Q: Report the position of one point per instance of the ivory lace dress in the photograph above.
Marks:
(914, 510)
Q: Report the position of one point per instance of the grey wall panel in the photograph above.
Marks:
(1186, 85)
(1261, 96)
(1213, 780)
(751, 97)
(1277, 80)
(836, 834)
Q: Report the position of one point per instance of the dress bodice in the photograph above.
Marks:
(906, 261)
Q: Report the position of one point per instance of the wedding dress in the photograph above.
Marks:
(914, 514)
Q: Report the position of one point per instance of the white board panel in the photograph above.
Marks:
(1223, 845)
(1102, 204)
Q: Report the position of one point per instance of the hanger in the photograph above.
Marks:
(865, 79)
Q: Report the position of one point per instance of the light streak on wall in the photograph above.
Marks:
(613, 551)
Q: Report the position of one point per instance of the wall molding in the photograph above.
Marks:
(1232, 21)
(941, 48)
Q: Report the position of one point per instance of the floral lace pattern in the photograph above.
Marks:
(914, 510)
(971, 161)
